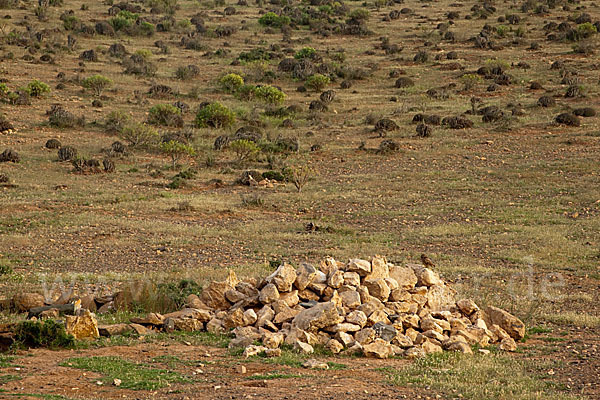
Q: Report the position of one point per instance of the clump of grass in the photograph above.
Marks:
(573, 318)
(273, 375)
(493, 376)
(132, 375)
(48, 333)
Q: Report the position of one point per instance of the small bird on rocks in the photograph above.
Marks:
(427, 261)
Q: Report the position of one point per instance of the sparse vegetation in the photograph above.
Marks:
(96, 83)
(215, 115)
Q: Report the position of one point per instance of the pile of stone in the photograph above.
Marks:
(369, 307)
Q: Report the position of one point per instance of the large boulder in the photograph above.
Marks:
(379, 268)
(440, 297)
(83, 326)
(511, 324)
(379, 348)
(361, 267)
(214, 295)
(25, 301)
(405, 276)
(304, 276)
(317, 317)
(283, 278)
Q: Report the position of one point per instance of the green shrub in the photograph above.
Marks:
(215, 115)
(5, 269)
(124, 19)
(139, 135)
(70, 22)
(246, 92)
(48, 333)
(274, 20)
(316, 82)
(586, 30)
(305, 52)
(144, 53)
(178, 292)
(255, 55)
(269, 94)
(187, 72)
(96, 83)
(176, 150)
(470, 80)
(165, 115)
(245, 150)
(231, 82)
(163, 6)
(116, 121)
(37, 88)
(502, 30)
(360, 14)
(146, 29)
(3, 89)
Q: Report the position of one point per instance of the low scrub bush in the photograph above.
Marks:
(316, 82)
(231, 82)
(96, 83)
(139, 135)
(215, 115)
(165, 115)
(48, 333)
(37, 88)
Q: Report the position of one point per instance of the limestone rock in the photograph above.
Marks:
(459, 346)
(334, 346)
(304, 276)
(365, 336)
(187, 324)
(440, 297)
(269, 294)
(425, 276)
(315, 364)
(114, 330)
(215, 325)
(357, 317)
(234, 319)
(23, 302)
(379, 348)
(508, 344)
(283, 278)
(83, 326)
(336, 279)
(379, 269)
(414, 352)
(430, 347)
(249, 317)
(272, 340)
(149, 319)
(350, 299)
(319, 316)
(405, 276)
(303, 348)
(344, 338)
(351, 279)
(265, 314)
(214, 295)
(467, 306)
(511, 324)
(361, 267)
(378, 288)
